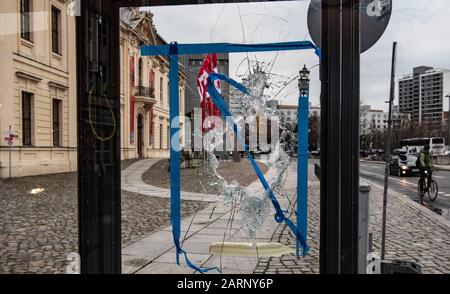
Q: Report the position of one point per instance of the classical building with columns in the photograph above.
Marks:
(38, 96)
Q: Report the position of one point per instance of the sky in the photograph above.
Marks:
(421, 28)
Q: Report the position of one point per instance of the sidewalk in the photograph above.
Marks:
(156, 253)
(132, 182)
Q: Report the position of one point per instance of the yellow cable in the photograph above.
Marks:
(103, 139)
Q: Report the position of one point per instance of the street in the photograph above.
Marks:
(374, 172)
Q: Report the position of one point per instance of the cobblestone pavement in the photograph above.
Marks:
(413, 233)
(199, 180)
(142, 215)
(39, 230)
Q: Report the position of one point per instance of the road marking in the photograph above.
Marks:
(439, 177)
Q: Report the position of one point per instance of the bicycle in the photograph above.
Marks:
(427, 185)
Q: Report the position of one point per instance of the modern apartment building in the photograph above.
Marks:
(422, 95)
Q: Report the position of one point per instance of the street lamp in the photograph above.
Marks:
(302, 151)
(303, 82)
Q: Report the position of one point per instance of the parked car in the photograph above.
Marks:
(376, 155)
(403, 165)
(363, 154)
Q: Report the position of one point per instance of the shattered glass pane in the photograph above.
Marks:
(254, 208)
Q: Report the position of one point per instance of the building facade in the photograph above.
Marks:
(237, 107)
(145, 120)
(400, 120)
(288, 115)
(38, 88)
(314, 110)
(372, 120)
(422, 95)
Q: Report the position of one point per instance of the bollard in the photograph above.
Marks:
(363, 229)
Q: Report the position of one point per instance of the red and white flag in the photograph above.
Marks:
(209, 109)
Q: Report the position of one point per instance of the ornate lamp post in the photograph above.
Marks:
(302, 151)
(303, 82)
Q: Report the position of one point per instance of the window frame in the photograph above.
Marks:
(25, 16)
(161, 136)
(56, 44)
(161, 90)
(27, 120)
(58, 133)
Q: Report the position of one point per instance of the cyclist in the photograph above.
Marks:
(424, 164)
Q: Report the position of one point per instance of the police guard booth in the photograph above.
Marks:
(99, 152)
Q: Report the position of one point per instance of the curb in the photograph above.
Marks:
(442, 168)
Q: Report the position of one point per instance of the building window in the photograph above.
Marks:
(25, 19)
(141, 72)
(168, 91)
(152, 79)
(56, 123)
(161, 89)
(56, 20)
(152, 137)
(160, 137)
(26, 118)
(168, 137)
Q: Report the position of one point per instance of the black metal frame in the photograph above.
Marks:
(339, 137)
(99, 185)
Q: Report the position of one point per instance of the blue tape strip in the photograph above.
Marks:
(206, 48)
(175, 216)
(223, 108)
(302, 166)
